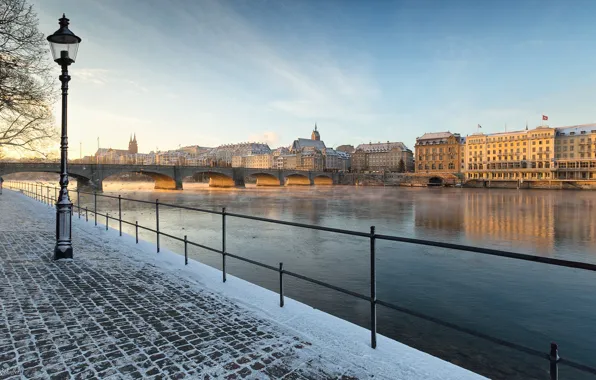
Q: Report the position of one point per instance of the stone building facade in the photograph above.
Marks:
(575, 152)
(440, 152)
(382, 157)
(518, 155)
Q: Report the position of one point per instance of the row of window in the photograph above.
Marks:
(435, 150)
(451, 166)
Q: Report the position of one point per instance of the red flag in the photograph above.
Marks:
(544, 117)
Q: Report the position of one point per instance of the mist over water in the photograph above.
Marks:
(527, 303)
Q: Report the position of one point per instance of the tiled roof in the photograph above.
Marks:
(381, 147)
(307, 143)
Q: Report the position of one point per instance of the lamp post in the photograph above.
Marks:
(64, 45)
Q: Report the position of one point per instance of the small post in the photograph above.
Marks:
(554, 358)
(48, 196)
(281, 285)
(106, 220)
(120, 213)
(86, 214)
(79, 203)
(137, 231)
(185, 251)
(157, 222)
(95, 205)
(373, 291)
(223, 243)
(56, 194)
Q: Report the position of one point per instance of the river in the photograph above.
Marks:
(527, 303)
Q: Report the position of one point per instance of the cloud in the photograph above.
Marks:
(268, 137)
(95, 76)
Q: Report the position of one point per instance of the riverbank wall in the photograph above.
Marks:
(544, 184)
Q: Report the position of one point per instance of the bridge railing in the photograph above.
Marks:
(49, 194)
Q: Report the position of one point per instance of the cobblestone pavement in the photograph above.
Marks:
(107, 316)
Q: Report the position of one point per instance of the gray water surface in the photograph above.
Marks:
(526, 303)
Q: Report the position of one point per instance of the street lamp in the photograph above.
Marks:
(64, 45)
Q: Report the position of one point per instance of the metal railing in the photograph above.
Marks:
(35, 190)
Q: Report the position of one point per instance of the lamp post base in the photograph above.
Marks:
(63, 249)
(63, 252)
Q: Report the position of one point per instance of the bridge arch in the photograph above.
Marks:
(435, 181)
(162, 181)
(216, 178)
(297, 179)
(42, 168)
(323, 179)
(266, 179)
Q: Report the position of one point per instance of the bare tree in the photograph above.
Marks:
(27, 88)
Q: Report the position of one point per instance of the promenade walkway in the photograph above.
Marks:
(119, 310)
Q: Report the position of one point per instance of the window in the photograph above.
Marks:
(451, 166)
(440, 166)
(434, 166)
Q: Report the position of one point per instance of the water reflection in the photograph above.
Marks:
(524, 302)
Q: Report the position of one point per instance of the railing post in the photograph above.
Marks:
(79, 202)
(373, 291)
(281, 285)
(157, 222)
(107, 221)
(95, 205)
(554, 358)
(120, 213)
(48, 196)
(185, 251)
(223, 243)
(86, 214)
(56, 194)
(137, 231)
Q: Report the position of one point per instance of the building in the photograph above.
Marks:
(286, 162)
(345, 160)
(309, 152)
(346, 148)
(223, 154)
(439, 152)
(518, 155)
(315, 134)
(575, 152)
(133, 147)
(256, 161)
(117, 156)
(382, 157)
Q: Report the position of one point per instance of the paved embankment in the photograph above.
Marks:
(119, 310)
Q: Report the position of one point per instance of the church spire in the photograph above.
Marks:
(135, 137)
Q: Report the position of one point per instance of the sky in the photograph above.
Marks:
(210, 72)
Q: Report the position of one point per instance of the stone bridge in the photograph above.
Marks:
(170, 177)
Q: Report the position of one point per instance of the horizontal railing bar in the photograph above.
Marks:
(190, 208)
(252, 261)
(581, 367)
(170, 236)
(301, 225)
(493, 252)
(463, 329)
(204, 247)
(345, 291)
(520, 256)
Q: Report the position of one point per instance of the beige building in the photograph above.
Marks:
(518, 155)
(439, 152)
(382, 157)
(253, 161)
(575, 152)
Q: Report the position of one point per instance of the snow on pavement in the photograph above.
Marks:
(123, 310)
